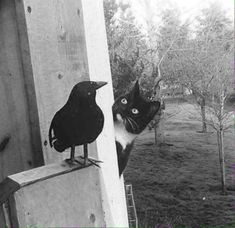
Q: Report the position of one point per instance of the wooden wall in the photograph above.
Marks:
(45, 48)
(21, 152)
(53, 33)
(56, 196)
(20, 148)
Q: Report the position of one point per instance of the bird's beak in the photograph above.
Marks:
(100, 84)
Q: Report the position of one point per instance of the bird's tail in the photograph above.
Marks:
(59, 146)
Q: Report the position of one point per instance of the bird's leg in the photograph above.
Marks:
(72, 152)
(92, 161)
(72, 160)
(85, 150)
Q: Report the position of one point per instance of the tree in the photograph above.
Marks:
(206, 66)
(218, 117)
(125, 45)
(162, 38)
(202, 61)
(194, 58)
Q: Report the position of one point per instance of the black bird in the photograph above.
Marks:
(79, 121)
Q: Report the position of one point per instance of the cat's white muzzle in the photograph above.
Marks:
(119, 117)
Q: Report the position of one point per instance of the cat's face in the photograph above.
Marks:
(136, 112)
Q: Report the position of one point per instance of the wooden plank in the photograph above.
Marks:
(69, 197)
(16, 181)
(113, 192)
(57, 59)
(2, 218)
(16, 154)
(45, 172)
(24, 55)
(7, 188)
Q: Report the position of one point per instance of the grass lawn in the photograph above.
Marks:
(177, 183)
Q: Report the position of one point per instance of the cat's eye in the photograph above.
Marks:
(134, 111)
(124, 101)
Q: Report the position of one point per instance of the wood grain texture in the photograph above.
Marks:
(45, 172)
(7, 188)
(17, 150)
(12, 213)
(16, 153)
(2, 218)
(67, 199)
(113, 193)
(16, 181)
(25, 56)
(58, 59)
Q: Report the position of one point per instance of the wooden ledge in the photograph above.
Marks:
(16, 181)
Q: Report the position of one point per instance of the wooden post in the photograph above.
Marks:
(55, 195)
(63, 42)
(23, 149)
(113, 191)
(20, 144)
(53, 49)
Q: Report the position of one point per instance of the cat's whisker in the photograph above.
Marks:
(134, 122)
(131, 124)
(126, 122)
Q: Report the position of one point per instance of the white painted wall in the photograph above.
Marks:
(113, 194)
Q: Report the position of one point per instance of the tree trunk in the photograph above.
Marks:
(159, 128)
(220, 140)
(155, 133)
(203, 114)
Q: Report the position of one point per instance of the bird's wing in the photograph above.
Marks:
(54, 125)
(50, 132)
(59, 124)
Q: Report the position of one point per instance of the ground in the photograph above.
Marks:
(177, 183)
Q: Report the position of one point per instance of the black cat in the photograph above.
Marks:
(131, 114)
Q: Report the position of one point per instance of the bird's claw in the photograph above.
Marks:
(72, 161)
(92, 161)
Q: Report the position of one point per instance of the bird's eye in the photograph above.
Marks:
(134, 111)
(124, 101)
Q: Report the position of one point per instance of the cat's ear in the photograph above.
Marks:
(136, 90)
(154, 108)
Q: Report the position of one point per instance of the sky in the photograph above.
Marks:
(193, 6)
(189, 8)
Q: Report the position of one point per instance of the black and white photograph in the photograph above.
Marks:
(117, 114)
